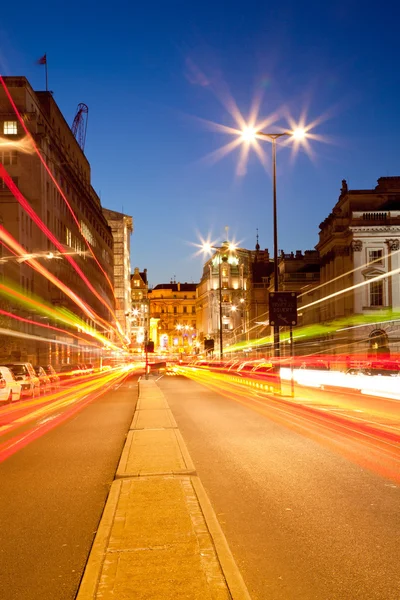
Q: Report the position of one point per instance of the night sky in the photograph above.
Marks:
(156, 75)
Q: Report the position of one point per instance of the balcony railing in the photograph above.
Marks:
(299, 277)
(376, 215)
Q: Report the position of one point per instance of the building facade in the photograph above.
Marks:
(359, 250)
(122, 227)
(225, 302)
(173, 327)
(140, 313)
(53, 216)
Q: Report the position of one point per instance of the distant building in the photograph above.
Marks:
(78, 227)
(173, 327)
(358, 242)
(122, 228)
(233, 290)
(140, 313)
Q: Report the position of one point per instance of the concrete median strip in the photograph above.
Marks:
(159, 538)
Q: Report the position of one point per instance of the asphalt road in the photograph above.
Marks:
(52, 495)
(305, 517)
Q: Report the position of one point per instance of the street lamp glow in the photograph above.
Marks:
(207, 248)
(249, 134)
(299, 133)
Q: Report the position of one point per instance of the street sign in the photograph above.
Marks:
(283, 308)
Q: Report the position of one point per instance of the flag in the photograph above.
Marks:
(42, 60)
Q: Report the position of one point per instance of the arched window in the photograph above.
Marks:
(378, 344)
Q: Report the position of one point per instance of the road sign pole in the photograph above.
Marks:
(291, 361)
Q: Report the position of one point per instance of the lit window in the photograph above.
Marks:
(376, 293)
(136, 283)
(68, 237)
(10, 128)
(375, 256)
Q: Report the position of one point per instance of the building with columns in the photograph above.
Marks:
(140, 314)
(359, 251)
(173, 317)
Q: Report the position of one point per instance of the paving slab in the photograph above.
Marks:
(150, 418)
(154, 545)
(154, 452)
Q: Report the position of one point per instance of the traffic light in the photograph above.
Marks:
(149, 347)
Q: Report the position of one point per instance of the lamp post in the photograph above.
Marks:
(221, 351)
(251, 134)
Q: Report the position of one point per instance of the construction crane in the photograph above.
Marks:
(79, 125)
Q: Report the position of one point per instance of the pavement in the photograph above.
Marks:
(159, 538)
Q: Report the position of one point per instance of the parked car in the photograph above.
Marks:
(44, 379)
(69, 372)
(5, 393)
(13, 387)
(25, 374)
(51, 373)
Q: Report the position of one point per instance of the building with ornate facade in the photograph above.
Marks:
(233, 291)
(52, 216)
(173, 327)
(360, 265)
(140, 313)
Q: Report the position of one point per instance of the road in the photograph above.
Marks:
(307, 506)
(54, 484)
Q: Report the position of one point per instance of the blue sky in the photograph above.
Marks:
(154, 75)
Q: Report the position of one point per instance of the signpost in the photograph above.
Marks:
(283, 313)
(283, 309)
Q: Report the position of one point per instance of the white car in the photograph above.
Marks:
(12, 390)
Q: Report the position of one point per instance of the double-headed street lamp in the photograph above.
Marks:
(249, 135)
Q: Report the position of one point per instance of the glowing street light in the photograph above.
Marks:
(250, 134)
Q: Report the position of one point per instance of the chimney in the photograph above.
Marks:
(179, 286)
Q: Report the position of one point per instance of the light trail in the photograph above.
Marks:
(21, 251)
(71, 402)
(32, 141)
(372, 444)
(11, 242)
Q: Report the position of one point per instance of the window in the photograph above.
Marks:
(8, 157)
(376, 293)
(375, 255)
(68, 237)
(3, 185)
(10, 128)
(185, 309)
(175, 310)
(193, 309)
(136, 283)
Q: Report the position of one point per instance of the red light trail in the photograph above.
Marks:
(53, 179)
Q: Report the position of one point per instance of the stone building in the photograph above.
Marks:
(173, 317)
(68, 237)
(140, 314)
(234, 290)
(359, 252)
(122, 228)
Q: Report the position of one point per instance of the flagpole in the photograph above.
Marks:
(45, 65)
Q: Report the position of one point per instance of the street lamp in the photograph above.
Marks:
(249, 134)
